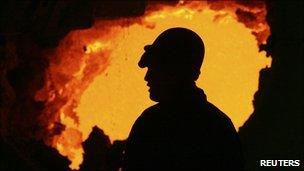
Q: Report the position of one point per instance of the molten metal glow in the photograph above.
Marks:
(98, 82)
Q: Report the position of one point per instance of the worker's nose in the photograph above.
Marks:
(148, 75)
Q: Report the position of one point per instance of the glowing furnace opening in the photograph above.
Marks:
(116, 92)
(229, 74)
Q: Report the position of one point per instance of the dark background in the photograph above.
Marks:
(28, 29)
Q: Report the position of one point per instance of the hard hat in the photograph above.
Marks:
(175, 48)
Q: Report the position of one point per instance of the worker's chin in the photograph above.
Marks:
(153, 98)
(154, 95)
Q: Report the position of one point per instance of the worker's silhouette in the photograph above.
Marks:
(183, 131)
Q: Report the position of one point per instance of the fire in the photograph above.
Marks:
(94, 47)
(93, 78)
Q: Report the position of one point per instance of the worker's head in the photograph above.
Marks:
(173, 60)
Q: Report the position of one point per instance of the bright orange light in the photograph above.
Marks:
(106, 88)
(229, 74)
(94, 47)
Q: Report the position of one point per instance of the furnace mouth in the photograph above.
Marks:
(93, 77)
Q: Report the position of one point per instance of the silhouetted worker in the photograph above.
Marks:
(183, 131)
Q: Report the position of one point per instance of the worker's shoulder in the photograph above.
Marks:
(151, 111)
(148, 113)
(219, 115)
(153, 108)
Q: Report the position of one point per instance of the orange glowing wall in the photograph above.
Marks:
(113, 94)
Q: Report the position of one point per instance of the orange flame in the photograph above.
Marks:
(92, 75)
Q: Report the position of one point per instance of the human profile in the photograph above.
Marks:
(183, 131)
